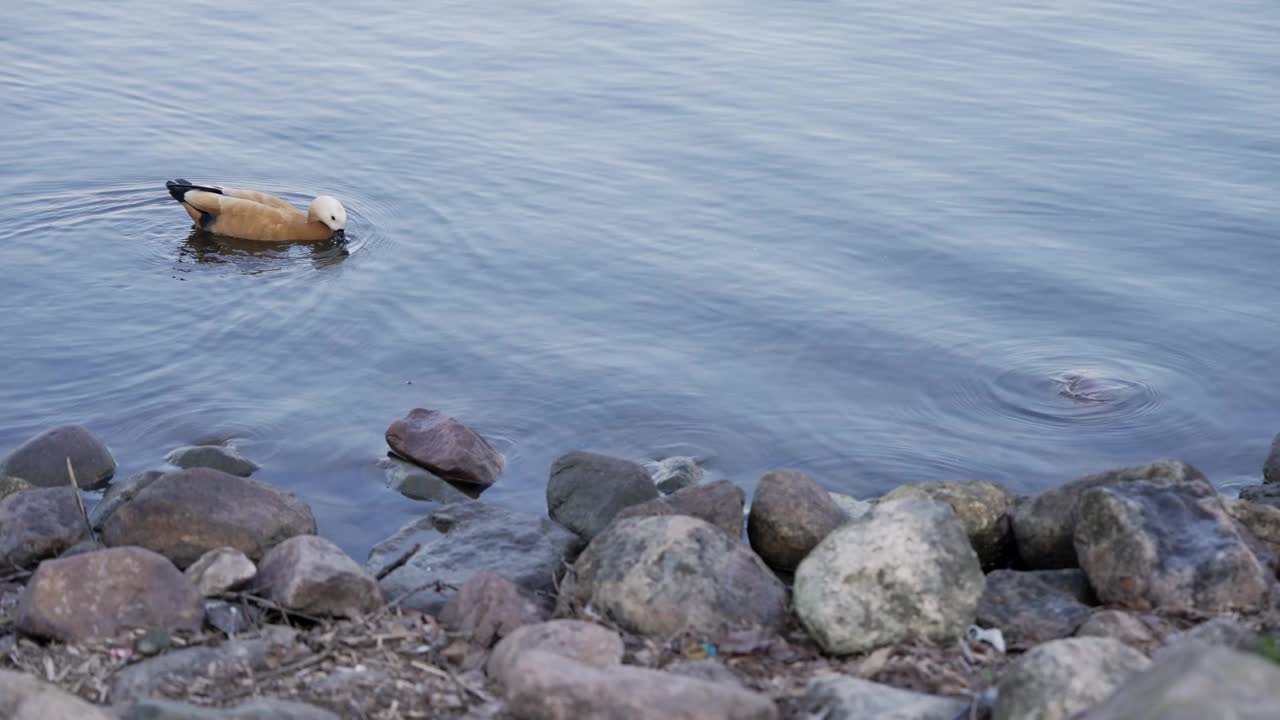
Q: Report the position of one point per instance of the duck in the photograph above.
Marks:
(253, 215)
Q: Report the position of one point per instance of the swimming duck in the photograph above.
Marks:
(253, 215)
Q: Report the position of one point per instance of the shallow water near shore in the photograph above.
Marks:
(868, 241)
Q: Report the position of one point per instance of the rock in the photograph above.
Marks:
(219, 570)
(446, 447)
(1148, 544)
(311, 575)
(586, 490)
(906, 571)
(673, 473)
(1028, 609)
(983, 508)
(23, 697)
(42, 460)
(99, 594)
(1271, 468)
(853, 508)
(790, 514)
(543, 686)
(418, 483)
(719, 503)
(184, 514)
(1263, 521)
(11, 485)
(1120, 625)
(842, 697)
(1194, 684)
(119, 493)
(487, 608)
(38, 524)
(260, 709)
(1268, 494)
(708, 669)
(527, 549)
(82, 547)
(1063, 677)
(666, 575)
(583, 642)
(133, 682)
(228, 618)
(1223, 631)
(217, 457)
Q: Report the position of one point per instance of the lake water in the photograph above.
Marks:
(875, 241)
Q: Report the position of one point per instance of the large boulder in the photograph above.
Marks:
(446, 447)
(1044, 528)
(719, 503)
(906, 571)
(23, 697)
(311, 575)
(671, 574)
(184, 514)
(586, 490)
(1030, 607)
(38, 524)
(1152, 544)
(1058, 679)
(422, 565)
(790, 514)
(584, 642)
(1197, 683)
(983, 508)
(42, 460)
(842, 697)
(217, 457)
(99, 594)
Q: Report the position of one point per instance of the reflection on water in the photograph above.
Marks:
(251, 257)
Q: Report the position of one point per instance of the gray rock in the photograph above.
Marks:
(790, 514)
(11, 485)
(428, 559)
(260, 709)
(119, 493)
(184, 514)
(1058, 679)
(1263, 521)
(1127, 627)
(666, 575)
(446, 447)
(983, 508)
(842, 697)
(853, 508)
(148, 677)
(673, 473)
(708, 669)
(23, 697)
(719, 503)
(219, 570)
(82, 547)
(1268, 494)
(217, 457)
(1271, 468)
(1194, 684)
(543, 686)
(1029, 609)
(584, 642)
(98, 594)
(1044, 527)
(904, 572)
(418, 483)
(587, 489)
(42, 460)
(1156, 544)
(38, 524)
(311, 575)
(487, 608)
(1220, 632)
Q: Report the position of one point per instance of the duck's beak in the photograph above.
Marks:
(340, 235)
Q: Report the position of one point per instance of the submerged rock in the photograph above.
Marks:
(790, 514)
(583, 642)
(22, 697)
(586, 490)
(1030, 608)
(38, 524)
(674, 473)
(1194, 684)
(219, 570)
(719, 503)
(418, 483)
(217, 457)
(1058, 679)
(983, 508)
(446, 447)
(311, 575)
(42, 460)
(842, 697)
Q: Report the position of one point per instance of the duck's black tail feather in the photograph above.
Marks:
(178, 188)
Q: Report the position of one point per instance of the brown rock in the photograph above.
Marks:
(1263, 521)
(983, 508)
(23, 697)
(719, 503)
(790, 514)
(1127, 627)
(38, 524)
(584, 642)
(187, 513)
(99, 594)
(446, 447)
(219, 570)
(42, 460)
(487, 608)
(311, 575)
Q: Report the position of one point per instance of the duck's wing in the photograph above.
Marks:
(259, 197)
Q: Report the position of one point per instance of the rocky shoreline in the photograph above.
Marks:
(197, 591)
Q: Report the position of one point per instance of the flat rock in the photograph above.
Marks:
(674, 473)
(260, 709)
(842, 697)
(23, 697)
(420, 562)
(1153, 544)
(543, 686)
(184, 514)
(311, 575)
(446, 447)
(719, 503)
(1044, 527)
(983, 508)
(790, 514)
(1268, 494)
(586, 490)
(99, 594)
(42, 460)
(119, 493)
(212, 456)
(584, 642)
(418, 483)
(487, 608)
(1194, 684)
(665, 575)
(1029, 609)
(219, 570)
(1271, 468)
(1058, 679)
(1127, 627)
(38, 524)
(11, 485)
(906, 571)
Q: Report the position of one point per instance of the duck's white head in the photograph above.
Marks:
(329, 211)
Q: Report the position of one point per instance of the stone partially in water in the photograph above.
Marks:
(212, 456)
(673, 473)
(1089, 386)
(417, 483)
(586, 490)
(446, 447)
(42, 460)
(790, 514)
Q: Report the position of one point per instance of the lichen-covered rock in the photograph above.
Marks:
(42, 460)
(219, 570)
(487, 608)
(586, 490)
(1267, 494)
(790, 514)
(906, 571)
(666, 575)
(719, 503)
(446, 447)
(1194, 684)
(1029, 608)
(23, 697)
(217, 457)
(11, 485)
(1058, 679)
(311, 575)
(38, 524)
(1263, 521)
(983, 508)
(842, 697)
(584, 642)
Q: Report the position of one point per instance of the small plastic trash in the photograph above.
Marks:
(992, 637)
